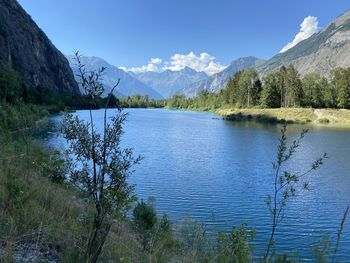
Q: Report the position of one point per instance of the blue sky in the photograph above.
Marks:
(129, 33)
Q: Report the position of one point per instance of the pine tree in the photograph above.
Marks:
(270, 97)
(295, 90)
(344, 89)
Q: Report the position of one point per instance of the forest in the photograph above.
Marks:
(284, 88)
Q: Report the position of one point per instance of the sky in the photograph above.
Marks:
(154, 35)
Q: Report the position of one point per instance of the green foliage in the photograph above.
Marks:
(140, 101)
(322, 250)
(286, 183)
(14, 90)
(243, 89)
(293, 91)
(165, 224)
(271, 93)
(341, 83)
(11, 85)
(55, 168)
(283, 88)
(314, 89)
(234, 247)
(177, 101)
(104, 166)
(32, 209)
(144, 217)
(145, 220)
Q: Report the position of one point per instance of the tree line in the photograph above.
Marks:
(14, 90)
(246, 89)
(282, 88)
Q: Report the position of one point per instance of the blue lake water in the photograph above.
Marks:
(219, 172)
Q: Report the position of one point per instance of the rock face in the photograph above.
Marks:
(217, 81)
(128, 85)
(25, 47)
(322, 52)
(169, 82)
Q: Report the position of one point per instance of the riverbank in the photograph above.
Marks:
(329, 117)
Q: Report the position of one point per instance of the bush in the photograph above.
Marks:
(144, 216)
(323, 121)
(55, 168)
(145, 220)
(234, 247)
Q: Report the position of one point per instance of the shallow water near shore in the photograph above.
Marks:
(220, 172)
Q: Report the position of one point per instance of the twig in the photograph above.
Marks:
(341, 229)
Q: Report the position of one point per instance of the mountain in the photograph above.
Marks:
(26, 48)
(322, 52)
(169, 82)
(128, 84)
(218, 80)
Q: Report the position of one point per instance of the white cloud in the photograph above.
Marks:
(150, 67)
(202, 62)
(307, 28)
(155, 61)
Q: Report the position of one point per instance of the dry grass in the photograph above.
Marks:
(331, 117)
(37, 215)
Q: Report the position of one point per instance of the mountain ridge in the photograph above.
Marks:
(320, 53)
(128, 85)
(169, 82)
(217, 81)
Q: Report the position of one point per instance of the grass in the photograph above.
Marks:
(37, 217)
(329, 117)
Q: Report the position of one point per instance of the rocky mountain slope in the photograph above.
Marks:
(169, 82)
(322, 52)
(218, 80)
(128, 84)
(25, 47)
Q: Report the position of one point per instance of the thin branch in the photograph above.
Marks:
(340, 231)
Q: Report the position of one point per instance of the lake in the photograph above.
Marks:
(219, 172)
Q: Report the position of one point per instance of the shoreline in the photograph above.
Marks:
(339, 118)
(333, 118)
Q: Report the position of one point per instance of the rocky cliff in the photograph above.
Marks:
(25, 47)
(322, 52)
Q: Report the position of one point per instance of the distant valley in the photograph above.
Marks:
(169, 82)
(163, 84)
(128, 84)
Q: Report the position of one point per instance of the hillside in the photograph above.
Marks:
(169, 82)
(128, 84)
(218, 81)
(26, 48)
(322, 52)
